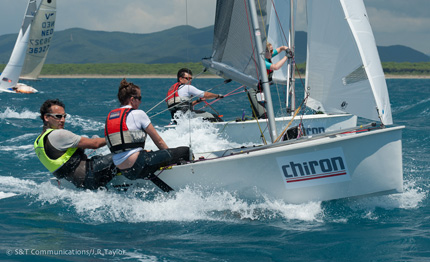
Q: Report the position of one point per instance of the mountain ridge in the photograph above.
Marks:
(175, 45)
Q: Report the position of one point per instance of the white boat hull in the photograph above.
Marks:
(249, 131)
(23, 88)
(20, 88)
(310, 169)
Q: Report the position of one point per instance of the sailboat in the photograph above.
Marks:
(234, 57)
(353, 162)
(41, 33)
(31, 47)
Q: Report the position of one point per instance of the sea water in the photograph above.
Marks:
(40, 222)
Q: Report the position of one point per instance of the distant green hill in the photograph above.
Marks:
(176, 45)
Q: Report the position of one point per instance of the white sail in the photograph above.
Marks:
(10, 75)
(234, 56)
(343, 69)
(279, 34)
(42, 30)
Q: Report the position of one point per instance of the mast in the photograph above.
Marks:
(291, 62)
(262, 70)
(290, 67)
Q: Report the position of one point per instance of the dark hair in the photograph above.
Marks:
(182, 71)
(126, 91)
(46, 107)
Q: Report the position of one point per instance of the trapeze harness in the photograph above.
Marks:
(269, 71)
(118, 137)
(62, 166)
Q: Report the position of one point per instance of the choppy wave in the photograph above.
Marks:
(10, 113)
(193, 204)
(85, 123)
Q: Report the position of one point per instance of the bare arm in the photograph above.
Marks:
(158, 141)
(209, 95)
(91, 143)
(281, 48)
(279, 64)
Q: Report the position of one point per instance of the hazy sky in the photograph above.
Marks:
(404, 22)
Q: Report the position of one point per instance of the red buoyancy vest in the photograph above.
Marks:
(172, 96)
(118, 137)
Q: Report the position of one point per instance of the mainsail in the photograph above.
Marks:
(42, 30)
(10, 75)
(234, 52)
(343, 69)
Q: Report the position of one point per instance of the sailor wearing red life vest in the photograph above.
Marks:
(126, 130)
(179, 96)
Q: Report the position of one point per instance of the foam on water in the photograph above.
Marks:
(84, 123)
(12, 114)
(193, 204)
(19, 138)
(411, 198)
(202, 135)
(6, 195)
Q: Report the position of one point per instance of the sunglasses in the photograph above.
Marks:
(188, 78)
(138, 98)
(57, 116)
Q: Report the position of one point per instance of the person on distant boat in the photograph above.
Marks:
(126, 130)
(257, 96)
(62, 152)
(270, 53)
(179, 97)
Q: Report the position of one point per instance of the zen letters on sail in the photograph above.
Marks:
(316, 168)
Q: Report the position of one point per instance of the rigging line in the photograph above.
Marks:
(291, 121)
(253, 50)
(279, 23)
(298, 71)
(262, 20)
(212, 108)
(230, 94)
(251, 38)
(186, 23)
(258, 123)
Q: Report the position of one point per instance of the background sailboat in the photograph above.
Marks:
(31, 47)
(10, 75)
(235, 57)
(42, 31)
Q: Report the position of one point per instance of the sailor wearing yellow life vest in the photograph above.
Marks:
(125, 132)
(62, 152)
(179, 96)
